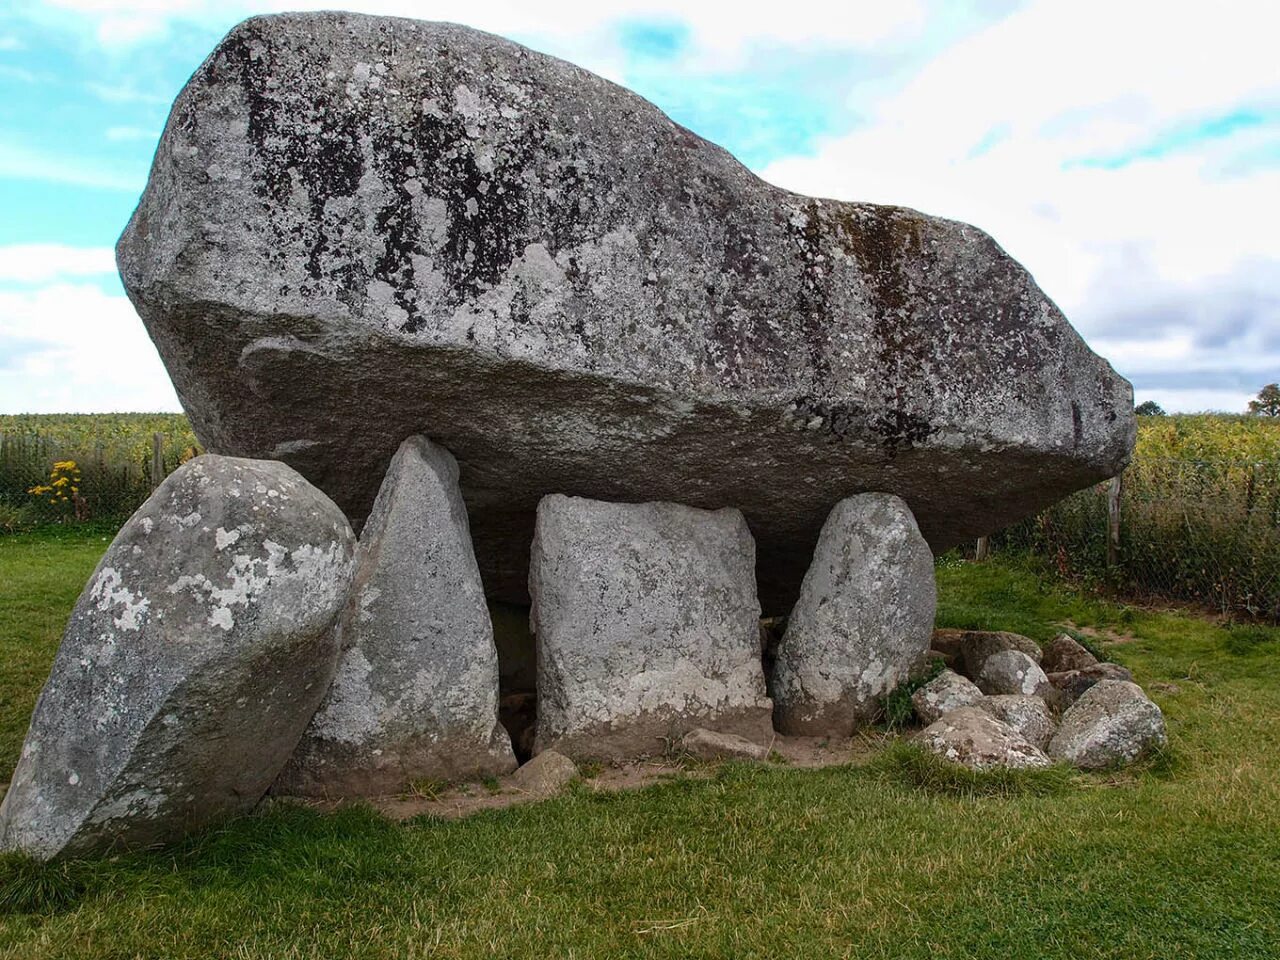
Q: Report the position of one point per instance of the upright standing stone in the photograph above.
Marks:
(864, 617)
(190, 666)
(647, 625)
(416, 691)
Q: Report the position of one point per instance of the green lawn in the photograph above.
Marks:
(1180, 859)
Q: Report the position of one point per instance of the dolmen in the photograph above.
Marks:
(537, 344)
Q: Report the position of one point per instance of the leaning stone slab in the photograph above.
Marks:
(1112, 724)
(190, 666)
(1012, 671)
(575, 294)
(946, 692)
(863, 621)
(415, 695)
(1064, 653)
(974, 738)
(1028, 715)
(647, 626)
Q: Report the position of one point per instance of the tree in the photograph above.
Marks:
(1149, 408)
(1268, 402)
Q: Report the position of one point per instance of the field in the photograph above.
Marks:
(887, 858)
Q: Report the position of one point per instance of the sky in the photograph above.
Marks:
(1126, 152)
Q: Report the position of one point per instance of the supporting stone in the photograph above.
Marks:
(864, 617)
(415, 696)
(647, 625)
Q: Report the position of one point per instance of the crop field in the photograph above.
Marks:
(889, 857)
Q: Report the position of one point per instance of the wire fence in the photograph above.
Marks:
(1203, 532)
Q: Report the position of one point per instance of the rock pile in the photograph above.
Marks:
(1090, 715)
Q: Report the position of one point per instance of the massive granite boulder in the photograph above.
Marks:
(361, 228)
(192, 662)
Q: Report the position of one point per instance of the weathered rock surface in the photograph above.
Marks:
(1012, 671)
(192, 662)
(547, 773)
(1064, 653)
(977, 645)
(647, 626)
(1112, 724)
(973, 737)
(712, 745)
(946, 692)
(1029, 716)
(572, 293)
(863, 620)
(415, 695)
(1071, 684)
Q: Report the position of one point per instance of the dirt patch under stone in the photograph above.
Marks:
(453, 801)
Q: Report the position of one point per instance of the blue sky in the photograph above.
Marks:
(1127, 153)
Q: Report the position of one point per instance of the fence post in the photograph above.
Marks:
(1113, 520)
(983, 549)
(157, 459)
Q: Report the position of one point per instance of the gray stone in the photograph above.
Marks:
(547, 773)
(415, 695)
(1029, 716)
(573, 293)
(863, 620)
(1012, 671)
(1064, 653)
(1112, 724)
(945, 692)
(647, 626)
(1070, 684)
(973, 737)
(711, 745)
(192, 662)
(977, 645)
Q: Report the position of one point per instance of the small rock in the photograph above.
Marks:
(948, 642)
(1064, 654)
(862, 621)
(1012, 671)
(1112, 724)
(946, 692)
(1069, 685)
(710, 745)
(1030, 716)
(545, 774)
(977, 645)
(973, 737)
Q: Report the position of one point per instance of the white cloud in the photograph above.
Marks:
(73, 348)
(33, 263)
(8, 43)
(23, 163)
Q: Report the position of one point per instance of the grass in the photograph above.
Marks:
(897, 858)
